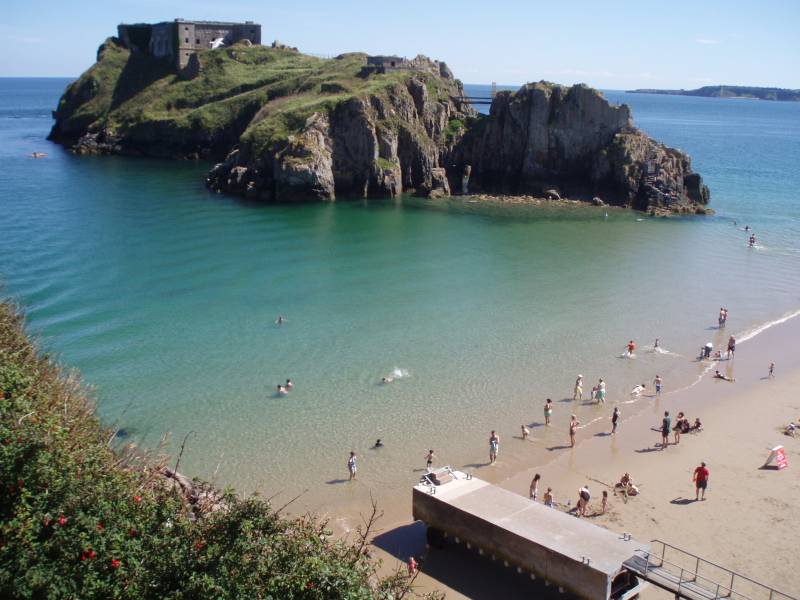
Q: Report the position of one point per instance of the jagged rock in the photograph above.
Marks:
(546, 133)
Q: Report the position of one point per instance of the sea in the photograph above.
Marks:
(164, 296)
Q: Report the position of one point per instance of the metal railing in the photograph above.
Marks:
(685, 576)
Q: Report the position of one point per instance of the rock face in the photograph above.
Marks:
(373, 146)
(548, 139)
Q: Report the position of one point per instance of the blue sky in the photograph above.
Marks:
(610, 45)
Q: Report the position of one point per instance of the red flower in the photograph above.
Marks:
(115, 563)
(199, 545)
(88, 554)
(132, 532)
(100, 526)
(137, 499)
(310, 585)
(62, 520)
(20, 483)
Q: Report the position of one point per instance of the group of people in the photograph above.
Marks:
(598, 391)
(723, 317)
(681, 426)
(705, 351)
(285, 388)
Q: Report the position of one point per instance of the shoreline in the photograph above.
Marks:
(725, 411)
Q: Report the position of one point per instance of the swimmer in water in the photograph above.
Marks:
(752, 242)
(631, 347)
(378, 443)
(282, 391)
(655, 344)
(289, 384)
(637, 391)
(385, 380)
(747, 227)
(280, 320)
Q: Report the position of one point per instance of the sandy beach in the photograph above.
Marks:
(745, 502)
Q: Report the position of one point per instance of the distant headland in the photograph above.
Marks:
(731, 91)
(284, 126)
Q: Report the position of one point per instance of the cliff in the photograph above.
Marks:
(290, 127)
(547, 138)
(730, 91)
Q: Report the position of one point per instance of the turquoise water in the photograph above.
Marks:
(164, 296)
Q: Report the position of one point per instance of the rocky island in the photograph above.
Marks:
(283, 126)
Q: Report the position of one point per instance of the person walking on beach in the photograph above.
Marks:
(429, 460)
(700, 479)
(534, 488)
(573, 428)
(525, 432)
(548, 411)
(615, 420)
(658, 382)
(577, 393)
(352, 465)
(604, 507)
(771, 370)
(666, 425)
(731, 347)
(494, 446)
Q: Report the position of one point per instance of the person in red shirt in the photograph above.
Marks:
(700, 480)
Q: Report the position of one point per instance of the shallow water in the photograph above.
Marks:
(165, 295)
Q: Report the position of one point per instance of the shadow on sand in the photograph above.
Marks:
(682, 501)
(336, 481)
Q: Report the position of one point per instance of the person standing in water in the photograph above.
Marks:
(631, 347)
(658, 382)
(601, 391)
(280, 320)
(771, 370)
(352, 465)
(615, 420)
(525, 432)
(731, 347)
(655, 344)
(534, 488)
(494, 447)
(548, 411)
(573, 428)
(577, 393)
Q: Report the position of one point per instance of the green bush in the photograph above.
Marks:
(79, 520)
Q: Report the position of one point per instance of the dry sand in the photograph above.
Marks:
(749, 521)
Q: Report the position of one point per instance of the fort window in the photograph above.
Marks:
(186, 40)
(197, 40)
(393, 64)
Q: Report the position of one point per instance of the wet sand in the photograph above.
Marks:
(748, 522)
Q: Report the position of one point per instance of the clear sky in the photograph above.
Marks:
(610, 45)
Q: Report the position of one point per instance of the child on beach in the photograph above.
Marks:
(573, 428)
(604, 507)
(413, 567)
(658, 382)
(678, 429)
(615, 420)
(494, 447)
(548, 411)
(666, 423)
(601, 391)
(637, 391)
(429, 460)
(534, 488)
(771, 370)
(548, 497)
(352, 465)
(718, 375)
(525, 432)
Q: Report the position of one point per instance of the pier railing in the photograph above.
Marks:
(690, 576)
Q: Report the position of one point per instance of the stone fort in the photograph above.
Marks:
(178, 41)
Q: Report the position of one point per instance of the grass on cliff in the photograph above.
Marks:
(80, 520)
(258, 91)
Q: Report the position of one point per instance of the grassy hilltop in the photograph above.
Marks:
(257, 93)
